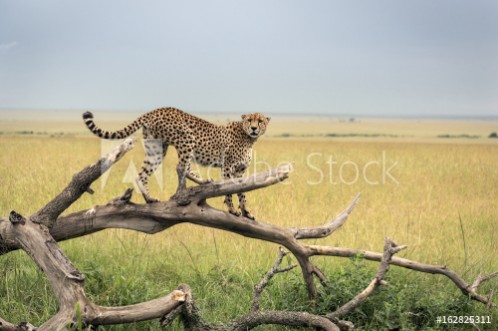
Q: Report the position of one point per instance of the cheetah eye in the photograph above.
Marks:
(260, 120)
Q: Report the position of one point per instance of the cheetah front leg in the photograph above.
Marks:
(242, 200)
(227, 174)
(242, 206)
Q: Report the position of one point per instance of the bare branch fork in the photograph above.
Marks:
(38, 235)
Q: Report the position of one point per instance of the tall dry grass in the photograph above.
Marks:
(441, 201)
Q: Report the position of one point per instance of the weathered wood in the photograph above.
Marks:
(23, 326)
(329, 227)
(287, 318)
(135, 313)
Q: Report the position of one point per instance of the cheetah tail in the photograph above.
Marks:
(123, 133)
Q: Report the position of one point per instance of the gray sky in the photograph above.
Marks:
(414, 58)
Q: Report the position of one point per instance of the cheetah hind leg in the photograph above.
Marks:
(155, 151)
(141, 181)
(226, 173)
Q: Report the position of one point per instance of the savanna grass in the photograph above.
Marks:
(435, 198)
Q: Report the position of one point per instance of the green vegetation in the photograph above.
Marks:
(223, 293)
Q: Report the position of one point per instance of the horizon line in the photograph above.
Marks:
(352, 116)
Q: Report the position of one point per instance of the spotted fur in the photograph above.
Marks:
(228, 147)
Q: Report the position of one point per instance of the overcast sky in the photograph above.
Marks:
(413, 58)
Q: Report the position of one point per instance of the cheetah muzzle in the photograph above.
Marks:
(228, 147)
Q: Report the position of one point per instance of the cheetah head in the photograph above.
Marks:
(255, 124)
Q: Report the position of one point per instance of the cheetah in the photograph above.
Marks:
(228, 146)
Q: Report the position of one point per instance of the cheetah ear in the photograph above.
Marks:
(243, 116)
(268, 119)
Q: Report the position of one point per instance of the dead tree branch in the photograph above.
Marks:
(329, 227)
(139, 312)
(160, 216)
(466, 288)
(23, 326)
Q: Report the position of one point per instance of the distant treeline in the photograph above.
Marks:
(376, 135)
(467, 136)
(340, 135)
(32, 133)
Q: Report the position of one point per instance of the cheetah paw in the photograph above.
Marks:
(234, 212)
(151, 200)
(248, 215)
(207, 181)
